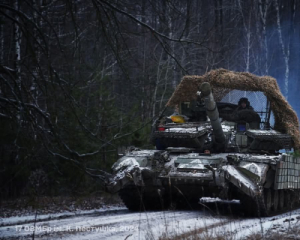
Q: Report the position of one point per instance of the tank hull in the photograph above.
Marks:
(148, 180)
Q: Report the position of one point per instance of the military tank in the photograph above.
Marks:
(220, 148)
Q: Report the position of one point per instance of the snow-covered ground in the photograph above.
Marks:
(119, 223)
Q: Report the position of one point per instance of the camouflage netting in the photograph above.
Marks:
(221, 80)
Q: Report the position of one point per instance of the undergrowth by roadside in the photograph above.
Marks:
(288, 229)
(277, 234)
(205, 234)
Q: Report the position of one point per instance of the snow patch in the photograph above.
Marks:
(183, 130)
(127, 162)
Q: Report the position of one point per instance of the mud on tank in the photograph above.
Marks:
(217, 148)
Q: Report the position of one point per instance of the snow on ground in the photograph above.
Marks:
(107, 224)
(241, 228)
(43, 217)
(119, 223)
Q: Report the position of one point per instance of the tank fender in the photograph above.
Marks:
(244, 183)
(136, 168)
(126, 162)
(256, 171)
(130, 176)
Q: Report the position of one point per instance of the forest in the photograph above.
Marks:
(81, 79)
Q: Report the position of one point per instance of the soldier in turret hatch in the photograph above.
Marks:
(244, 112)
(244, 104)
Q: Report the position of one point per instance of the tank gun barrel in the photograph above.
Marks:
(212, 113)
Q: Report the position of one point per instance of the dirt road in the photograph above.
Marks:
(119, 223)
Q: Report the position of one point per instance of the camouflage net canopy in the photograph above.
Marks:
(222, 81)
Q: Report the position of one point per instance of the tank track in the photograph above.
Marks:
(270, 202)
(138, 199)
(131, 198)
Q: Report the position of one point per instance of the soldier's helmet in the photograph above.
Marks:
(244, 100)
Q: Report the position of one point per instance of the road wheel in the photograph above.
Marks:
(132, 198)
(297, 197)
(268, 200)
(281, 199)
(287, 200)
(141, 199)
(155, 200)
(249, 206)
(275, 200)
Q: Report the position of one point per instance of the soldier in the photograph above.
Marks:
(244, 112)
(244, 104)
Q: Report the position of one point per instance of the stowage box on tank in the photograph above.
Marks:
(225, 140)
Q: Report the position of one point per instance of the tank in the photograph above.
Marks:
(222, 147)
